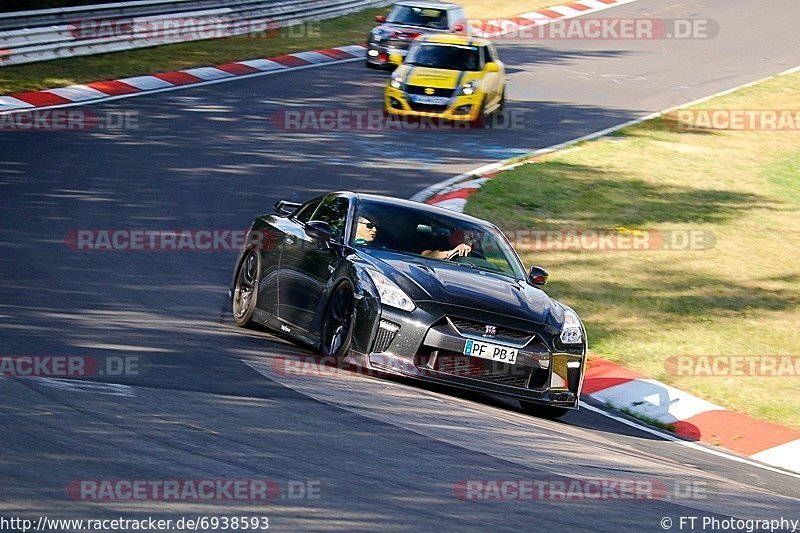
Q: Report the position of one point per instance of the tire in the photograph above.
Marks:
(337, 328)
(245, 289)
(543, 411)
(371, 65)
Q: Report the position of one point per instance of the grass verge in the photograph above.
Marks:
(740, 296)
(350, 29)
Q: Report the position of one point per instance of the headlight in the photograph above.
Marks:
(389, 293)
(397, 82)
(571, 332)
(469, 88)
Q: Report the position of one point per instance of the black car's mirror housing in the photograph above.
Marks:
(537, 276)
(319, 230)
(283, 207)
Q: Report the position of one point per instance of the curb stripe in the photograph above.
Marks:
(146, 83)
(335, 54)
(41, 98)
(735, 431)
(78, 93)
(784, 456)
(289, 60)
(313, 57)
(237, 69)
(9, 102)
(550, 13)
(178, 78)
(262, 64)
(113, 87)
(208, 73)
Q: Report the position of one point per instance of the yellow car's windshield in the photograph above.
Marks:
(444, 56)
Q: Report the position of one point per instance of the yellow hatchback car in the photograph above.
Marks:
(452, 77)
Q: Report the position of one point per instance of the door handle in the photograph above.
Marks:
(289, 240)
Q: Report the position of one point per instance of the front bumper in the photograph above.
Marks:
(434, 353)
(397, 102)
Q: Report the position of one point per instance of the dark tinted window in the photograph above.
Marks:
(333, 211)
(419, 16)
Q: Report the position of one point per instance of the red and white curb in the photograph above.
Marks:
(622, 389)
(127, 87)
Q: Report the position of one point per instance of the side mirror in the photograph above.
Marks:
(380, 18)
(458, 27)
(319, 230)
(396, 59)
(491, 66)
(537, 276)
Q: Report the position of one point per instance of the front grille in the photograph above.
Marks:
(424, 108)
(502, 334)
(472, 367)
(420, 89)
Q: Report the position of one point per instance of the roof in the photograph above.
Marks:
(422, 207)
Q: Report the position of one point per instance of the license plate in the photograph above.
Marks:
(493, 352)
(429, 100)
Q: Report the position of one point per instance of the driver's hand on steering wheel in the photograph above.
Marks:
(462, 250)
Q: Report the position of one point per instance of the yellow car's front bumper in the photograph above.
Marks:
(396, 102)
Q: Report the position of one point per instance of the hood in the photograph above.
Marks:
(452, 285)
(437, 78)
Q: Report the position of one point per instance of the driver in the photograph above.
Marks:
(366, 231)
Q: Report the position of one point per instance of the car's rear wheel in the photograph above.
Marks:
(337, 330)
(543, 411)
(245, 289)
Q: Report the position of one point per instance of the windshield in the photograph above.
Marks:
(419, 16)
(416, 232)
(445, 56)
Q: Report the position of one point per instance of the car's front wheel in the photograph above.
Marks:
(337, 329)
(245, 289)
(543, 411)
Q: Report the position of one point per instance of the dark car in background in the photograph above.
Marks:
(406, 21)
(406, 288)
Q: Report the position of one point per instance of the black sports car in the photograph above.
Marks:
(407, 288)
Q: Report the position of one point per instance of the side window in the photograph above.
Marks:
(333, 210)
(304, 212)
(487, 51)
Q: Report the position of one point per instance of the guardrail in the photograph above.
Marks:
(42, 35)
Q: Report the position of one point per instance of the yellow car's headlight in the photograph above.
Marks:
(469, 88)
(397, 82)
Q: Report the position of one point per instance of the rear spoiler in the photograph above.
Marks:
(286, 208)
